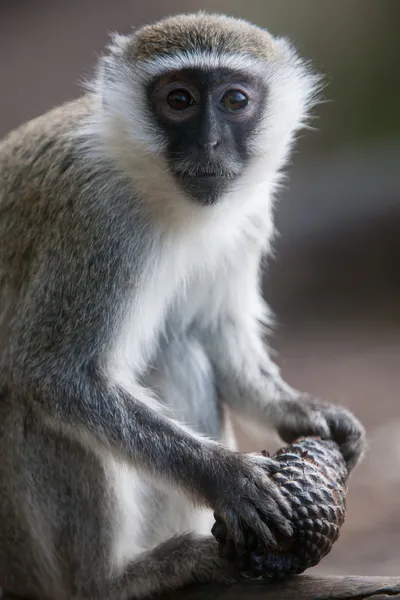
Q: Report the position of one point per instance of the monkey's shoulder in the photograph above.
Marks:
(42, 175)
(39, 151)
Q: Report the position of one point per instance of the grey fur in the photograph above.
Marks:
(81, 245)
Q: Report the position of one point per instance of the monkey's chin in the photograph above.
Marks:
(205, 189)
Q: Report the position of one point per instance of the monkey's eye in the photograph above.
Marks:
(234, 100)
(180, 100)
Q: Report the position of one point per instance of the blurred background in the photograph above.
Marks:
(334, 283)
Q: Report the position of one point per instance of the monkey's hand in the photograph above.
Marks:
(246, 495)
(307, 416)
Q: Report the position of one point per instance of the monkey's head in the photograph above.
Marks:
(211, 96)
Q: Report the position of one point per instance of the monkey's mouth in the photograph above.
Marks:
(208, 171)
(206, 175)
(207, 178)
(191, 173)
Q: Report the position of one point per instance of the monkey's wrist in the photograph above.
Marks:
(222, 470)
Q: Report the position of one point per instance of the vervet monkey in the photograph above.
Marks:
(132, 225)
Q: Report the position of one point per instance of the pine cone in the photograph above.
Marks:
(313, 478)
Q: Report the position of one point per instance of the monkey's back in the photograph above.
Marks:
(36, 163)
(39, 470)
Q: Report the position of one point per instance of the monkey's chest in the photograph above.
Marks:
(183, 378)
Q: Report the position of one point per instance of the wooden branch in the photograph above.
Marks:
(304, 587)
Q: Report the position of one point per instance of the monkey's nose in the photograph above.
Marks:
(208, 144)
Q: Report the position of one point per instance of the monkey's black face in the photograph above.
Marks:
(208, 118)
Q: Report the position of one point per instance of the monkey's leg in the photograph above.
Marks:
(179, 561)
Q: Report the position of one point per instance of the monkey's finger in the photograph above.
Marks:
(347, 431)
(234, 527)
(271, 514)
(220, 532)
(268, 465)
(252, 519)
(228, 549)
(353, 450)
(344, 426)
(271, 497)
(302, 417)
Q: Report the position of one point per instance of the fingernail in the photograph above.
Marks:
(287, 530)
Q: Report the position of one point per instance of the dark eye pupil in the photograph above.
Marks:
(234, 100)
(180, 100)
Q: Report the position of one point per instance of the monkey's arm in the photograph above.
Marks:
(250, 382)
(80, 402)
